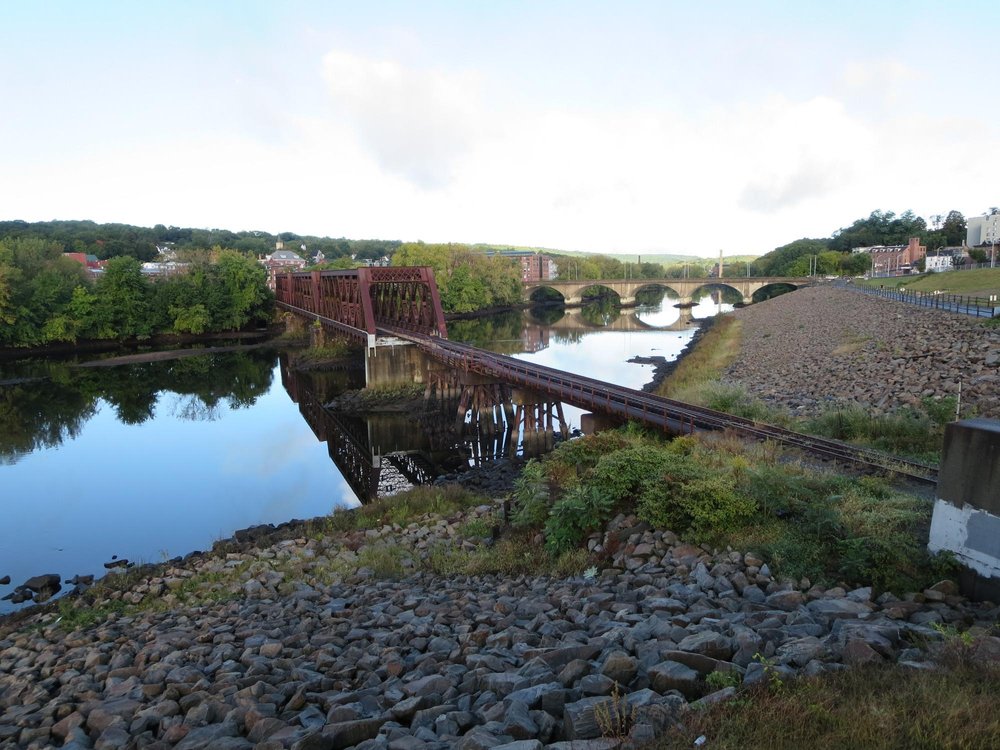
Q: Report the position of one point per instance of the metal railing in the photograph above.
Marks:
(979, 307)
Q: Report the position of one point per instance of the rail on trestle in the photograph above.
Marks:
(404, 303)
(359, 301)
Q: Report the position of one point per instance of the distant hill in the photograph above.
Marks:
(665, 259)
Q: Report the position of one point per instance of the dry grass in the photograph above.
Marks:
(716, 350)
(888, 707)
(851, 343)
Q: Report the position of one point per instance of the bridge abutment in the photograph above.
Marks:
(394, 362)
(966, 518)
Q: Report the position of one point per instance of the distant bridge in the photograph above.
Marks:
(573, 291)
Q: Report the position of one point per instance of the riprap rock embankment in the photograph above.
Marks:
(299, 645)
(823, 346)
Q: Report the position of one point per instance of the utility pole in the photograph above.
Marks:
(720, 263)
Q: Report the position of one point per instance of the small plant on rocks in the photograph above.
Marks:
(720, 680)
(580, 511)
(615, 717)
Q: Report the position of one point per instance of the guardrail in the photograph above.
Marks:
(979, 307)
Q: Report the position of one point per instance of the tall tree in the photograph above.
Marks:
(954, 227)
(122, 307)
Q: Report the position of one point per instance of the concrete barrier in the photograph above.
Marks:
(966, 517)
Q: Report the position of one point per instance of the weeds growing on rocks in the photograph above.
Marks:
(806, 523)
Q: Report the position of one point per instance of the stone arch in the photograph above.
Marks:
(772, 290)
(582, 291)
(544, 293)
(667, 289)
(736, 293)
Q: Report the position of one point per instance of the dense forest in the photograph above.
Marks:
(46, 297)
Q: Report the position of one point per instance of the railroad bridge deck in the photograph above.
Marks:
(408, 309)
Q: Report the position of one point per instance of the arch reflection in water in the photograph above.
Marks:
(466, 422)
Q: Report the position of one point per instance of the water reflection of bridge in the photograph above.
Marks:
(466, 422)
(577, 319)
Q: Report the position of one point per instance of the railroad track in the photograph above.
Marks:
(674, 416)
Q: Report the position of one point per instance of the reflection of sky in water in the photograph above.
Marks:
(604, 354)
(706, 308)
(170, 485)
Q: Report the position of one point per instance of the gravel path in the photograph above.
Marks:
(821, 346)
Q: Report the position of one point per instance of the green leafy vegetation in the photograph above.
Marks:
(467, 280)
(911, 432)
(46, 297)
(113, 240)
(806, 523)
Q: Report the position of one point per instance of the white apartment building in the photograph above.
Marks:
(982, 230)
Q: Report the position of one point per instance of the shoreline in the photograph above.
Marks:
(355, 635)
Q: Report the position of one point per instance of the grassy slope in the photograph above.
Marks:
(981, 282)
(857, 708)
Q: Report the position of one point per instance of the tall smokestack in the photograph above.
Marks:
(720, 263)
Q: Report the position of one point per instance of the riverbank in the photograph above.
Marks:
(404, 627)
(821, 347)
(159, 341)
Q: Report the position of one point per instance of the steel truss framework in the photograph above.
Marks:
(364, 299)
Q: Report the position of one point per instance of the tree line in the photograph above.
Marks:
(832, 255)
(112, 240)
(46, 297)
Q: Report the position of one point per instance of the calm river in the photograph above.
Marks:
(152, 461)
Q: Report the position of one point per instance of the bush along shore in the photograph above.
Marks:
(628, 592)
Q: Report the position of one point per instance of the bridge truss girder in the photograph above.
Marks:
(362, 300)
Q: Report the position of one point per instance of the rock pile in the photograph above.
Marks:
(299, 645)
(823, 346)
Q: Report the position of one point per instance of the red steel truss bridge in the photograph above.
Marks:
(360, 301)
(346, 300)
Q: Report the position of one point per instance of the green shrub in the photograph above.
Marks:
(882, 540)
(584, 453)
(704, 507)
(905, 432)
(629, 471)
(581, 510)
(531, 493)
(940, 410)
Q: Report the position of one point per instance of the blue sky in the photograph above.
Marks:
(627, 126)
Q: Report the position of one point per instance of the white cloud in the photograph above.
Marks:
(415, 153)
(416, 122)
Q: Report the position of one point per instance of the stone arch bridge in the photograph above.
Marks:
(573, 291)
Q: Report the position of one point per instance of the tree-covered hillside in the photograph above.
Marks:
(832, 255)
(113, 240)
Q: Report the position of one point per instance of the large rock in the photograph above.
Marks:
(708, 643)
(620, 667)
(672, 675)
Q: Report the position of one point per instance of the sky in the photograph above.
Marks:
(628, 127)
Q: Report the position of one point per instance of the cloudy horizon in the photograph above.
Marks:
(640, 128)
